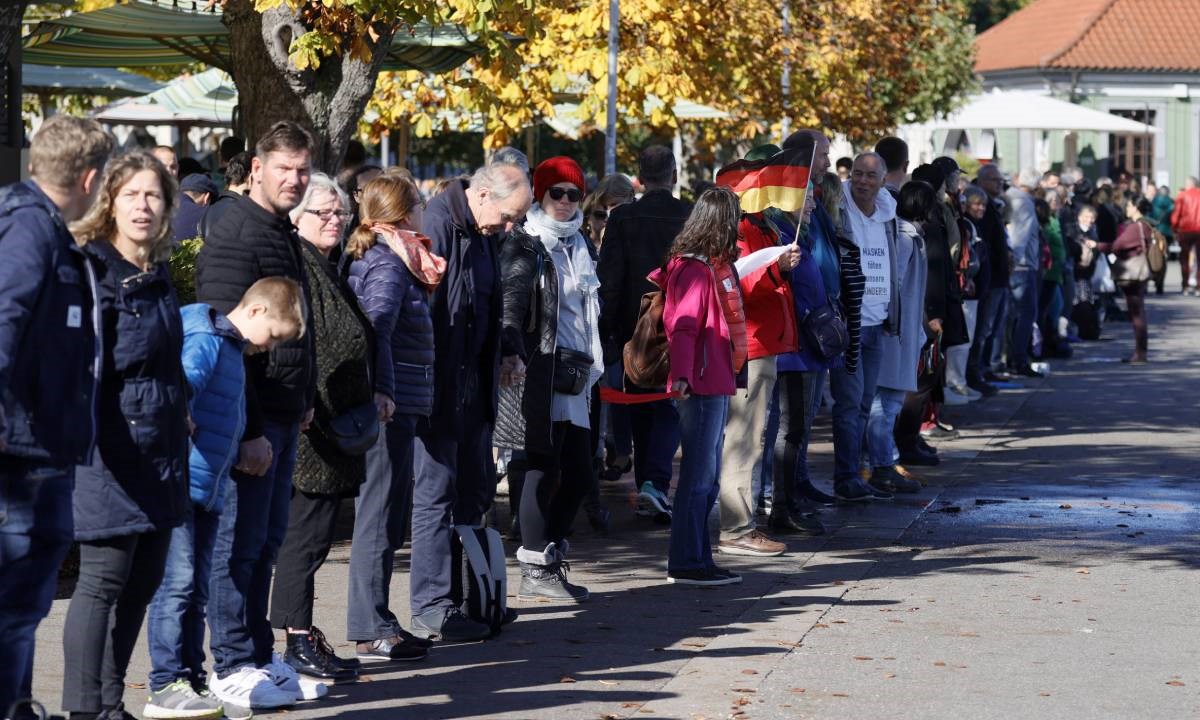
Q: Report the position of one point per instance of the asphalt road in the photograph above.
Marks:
(1048, 570)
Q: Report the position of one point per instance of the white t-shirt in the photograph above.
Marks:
(870, 234)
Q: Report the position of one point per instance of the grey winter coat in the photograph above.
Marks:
(902, 352)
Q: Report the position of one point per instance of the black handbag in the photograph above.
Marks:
(571, 371)
(824, 331)
(355, 431)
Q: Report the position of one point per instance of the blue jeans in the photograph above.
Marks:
(987, 347)
(655, 430)
(175, 631)
(36, 527)
(1024, 284)
(798, 397)
(702, 426)
(251, 532)
(881, 439)
(852, 397)
(764, 469)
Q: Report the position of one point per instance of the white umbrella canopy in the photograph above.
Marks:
(1014, 110)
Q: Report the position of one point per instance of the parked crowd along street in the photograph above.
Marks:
(197, 427)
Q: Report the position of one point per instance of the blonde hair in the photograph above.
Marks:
(100, 224)
(65, 148)
(387, 200)
(282, 297)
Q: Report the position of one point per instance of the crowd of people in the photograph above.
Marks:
(351, 339)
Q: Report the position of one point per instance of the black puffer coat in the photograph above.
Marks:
(137, 481)
(943, 296)
(345, 352)
(249, 243)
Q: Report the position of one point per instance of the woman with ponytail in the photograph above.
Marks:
(393, 273)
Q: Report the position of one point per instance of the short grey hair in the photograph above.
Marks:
(501, 184)
(1029, 178)
(974, 192)
(511, 156)
(883, 168)
(320, 183)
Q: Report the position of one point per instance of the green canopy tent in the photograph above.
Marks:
(149, 33)
(108, 82)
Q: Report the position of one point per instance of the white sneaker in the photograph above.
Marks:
(286, 678)
(953, 397)
(251, 687)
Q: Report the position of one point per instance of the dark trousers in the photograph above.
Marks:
(311, 521)
(117, 579)
(913, 413)
(555, 484)
(655, 430)
(1135, 301)
(1187, 241)
(253, 525)
(381, 518)
(989, 332)
(36, 526)
(175, 629)
(799, 395)
(454, 482)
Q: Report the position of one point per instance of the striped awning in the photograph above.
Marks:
(87, 81)
(146, 33)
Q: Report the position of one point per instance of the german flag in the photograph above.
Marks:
(779, 181)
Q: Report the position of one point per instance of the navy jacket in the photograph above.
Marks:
(137, 482)
(185, 223)
(466, 320)
(398, 307)
(49, 357)
(216, 376)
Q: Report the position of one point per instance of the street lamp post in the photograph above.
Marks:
(610, 128)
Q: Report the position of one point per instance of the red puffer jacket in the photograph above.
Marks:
(1186, 216)
(770, 309)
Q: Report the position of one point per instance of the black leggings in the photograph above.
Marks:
(117, 579)
(797, 405)
(1135, 301)
(555, 485)
(311, 522)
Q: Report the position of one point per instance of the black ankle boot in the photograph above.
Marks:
(307, 657)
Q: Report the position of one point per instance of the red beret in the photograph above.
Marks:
(554, 171)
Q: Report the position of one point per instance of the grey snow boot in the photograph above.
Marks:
(544, 575)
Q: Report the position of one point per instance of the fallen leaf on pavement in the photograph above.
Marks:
(939, 663)
(567, 679)
(1065, 506)
(1084, 571)
(889, 676)
(629, 705)
(749, 672)
(135, 685)
(863, 657)
(1175, 683)
(841, 694)
(609, 682)
(968, 634)
(797, 690)
(1044, 694)
(840, 622)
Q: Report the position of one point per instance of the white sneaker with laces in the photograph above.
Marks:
(285, 677)
(251, 687)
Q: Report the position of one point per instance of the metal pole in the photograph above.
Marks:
(786, 80)
(610, 129)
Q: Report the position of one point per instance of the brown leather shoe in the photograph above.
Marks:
(754, 544)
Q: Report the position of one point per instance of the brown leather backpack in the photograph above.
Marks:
(647, 360)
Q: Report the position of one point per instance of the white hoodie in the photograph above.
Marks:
(870, 234)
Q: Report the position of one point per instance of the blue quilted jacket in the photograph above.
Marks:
(398, 307)
(216, 374)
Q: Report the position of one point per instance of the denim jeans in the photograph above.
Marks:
(1024, 284)
(381, 514)
(702, 426)
(881, 440)
(764, 470)
(987, 347)
(251, 532)
(175, 629)
(36, 527)
(853, 394)
(655, 430)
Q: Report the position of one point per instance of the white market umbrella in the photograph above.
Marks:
(1015, 110)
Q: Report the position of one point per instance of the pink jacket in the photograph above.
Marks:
(698, 336)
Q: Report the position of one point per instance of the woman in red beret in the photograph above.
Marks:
(551, 322)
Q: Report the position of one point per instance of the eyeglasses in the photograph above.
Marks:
(572, 194)
(327, 215)
(599, 214)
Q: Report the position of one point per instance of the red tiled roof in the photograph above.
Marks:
(1145, 35)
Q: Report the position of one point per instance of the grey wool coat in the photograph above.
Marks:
(902, 352)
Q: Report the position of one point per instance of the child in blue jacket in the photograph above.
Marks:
(269, 313)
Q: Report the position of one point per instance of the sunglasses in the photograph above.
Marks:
(572, 194)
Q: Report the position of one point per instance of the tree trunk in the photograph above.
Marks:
(12, 128)
(329, 101)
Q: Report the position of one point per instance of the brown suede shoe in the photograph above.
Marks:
(754, 544)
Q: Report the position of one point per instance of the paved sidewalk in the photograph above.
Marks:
(1048, 570)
